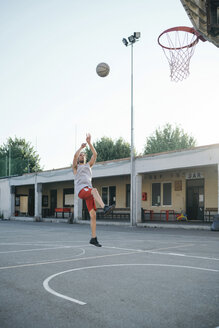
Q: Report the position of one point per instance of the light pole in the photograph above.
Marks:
(131, 40)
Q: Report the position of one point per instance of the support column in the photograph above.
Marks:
(138, 197)
(133, 213)
(38, 201)
(39, 190)
(77, 208)
(12, 192)
(218, 188)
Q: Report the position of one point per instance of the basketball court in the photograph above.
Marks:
(51, 277)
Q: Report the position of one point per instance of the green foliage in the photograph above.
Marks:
(107, 149)
(17, 157)
(168, 139)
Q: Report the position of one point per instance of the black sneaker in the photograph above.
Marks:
(108, 209)
(95, 242)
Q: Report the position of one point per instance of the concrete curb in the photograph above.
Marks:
(175, 226)
(164, 225)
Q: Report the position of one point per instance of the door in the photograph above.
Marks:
(127, 203)
(53, 201)
(195, 199)
(31, 202)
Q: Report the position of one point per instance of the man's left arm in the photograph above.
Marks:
(94, 156)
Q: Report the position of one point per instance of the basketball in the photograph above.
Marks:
(102, 69)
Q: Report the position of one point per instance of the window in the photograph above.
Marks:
(105, 195)
(167, 194)
(17, 201)
(109, 195)
(112, 195)
(45, 201)
(213, 17)
(156, 194)
(161, 194)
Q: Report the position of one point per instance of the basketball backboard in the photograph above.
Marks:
(204, 16)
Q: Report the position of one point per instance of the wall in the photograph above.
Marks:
(179, 197)
(211, 189)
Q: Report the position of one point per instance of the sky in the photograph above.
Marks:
(51, 95)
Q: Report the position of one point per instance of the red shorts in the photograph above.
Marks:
(85, 194)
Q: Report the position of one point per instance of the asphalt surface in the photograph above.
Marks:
(142, 277)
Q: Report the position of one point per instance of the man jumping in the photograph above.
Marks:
(83, 186)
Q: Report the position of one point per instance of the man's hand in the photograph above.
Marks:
(88, 138)
(83, 145)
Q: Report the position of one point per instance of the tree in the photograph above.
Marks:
(17, 157)
(167, 139)
(107, 149)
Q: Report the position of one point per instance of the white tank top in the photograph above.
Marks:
(83, 177)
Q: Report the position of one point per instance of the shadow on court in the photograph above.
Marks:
(51, 277)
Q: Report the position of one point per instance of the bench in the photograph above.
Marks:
(150, 212)
(117, 213)
(167, 212)
(157, 216)
(210, 212)
(63, 211)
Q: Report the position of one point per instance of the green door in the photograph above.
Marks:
(195, 199)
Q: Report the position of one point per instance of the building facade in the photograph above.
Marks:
(166, 185)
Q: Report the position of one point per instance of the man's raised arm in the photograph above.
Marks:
(75, 160)
(94, 156)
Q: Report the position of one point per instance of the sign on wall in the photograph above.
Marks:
(178, 185)
(194, 175)
(69, 199)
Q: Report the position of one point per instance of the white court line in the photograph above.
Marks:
(162, 253)
(129, 252)
(40, 249)
(142, 250)
(66, 258)
(65, 261)
(53, 292)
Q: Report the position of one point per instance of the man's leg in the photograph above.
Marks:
(93, 240)
(97, 197)
(107, 209)
(93, 222)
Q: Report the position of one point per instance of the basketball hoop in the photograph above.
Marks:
(178, 44)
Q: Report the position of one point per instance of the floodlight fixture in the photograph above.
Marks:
(137, 35)
(131, 39)
(125, 42)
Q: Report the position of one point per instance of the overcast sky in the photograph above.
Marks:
(51, 94)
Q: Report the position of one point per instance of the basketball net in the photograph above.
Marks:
(178, 44)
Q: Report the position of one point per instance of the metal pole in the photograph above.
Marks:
(6, 165)
(9, 169)
(132, 145)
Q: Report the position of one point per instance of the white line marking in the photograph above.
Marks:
(162, 253)
(34, 249)
(176, 254)
(53, 292)
(40, 249)
(131, 251)
(142, 250)
(64, 261)
(189, 256)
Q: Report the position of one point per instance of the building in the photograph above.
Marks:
(166, 184)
